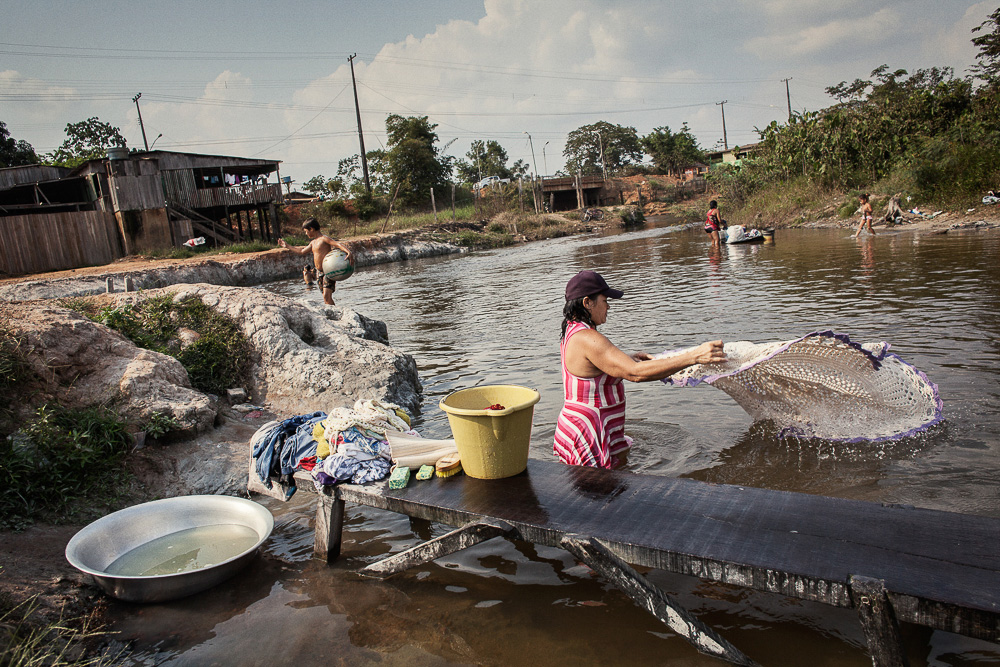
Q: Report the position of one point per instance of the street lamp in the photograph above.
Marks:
(155, 140)
(545, 162)
(533, 165)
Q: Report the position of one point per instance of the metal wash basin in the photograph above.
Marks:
(97, 548)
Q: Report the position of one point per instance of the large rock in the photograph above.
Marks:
(309, 357)
(82, 363)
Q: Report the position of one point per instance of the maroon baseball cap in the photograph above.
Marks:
(589, 283)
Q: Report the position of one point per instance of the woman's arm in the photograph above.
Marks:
(590, 348)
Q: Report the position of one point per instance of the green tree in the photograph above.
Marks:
(484, 159)
(412, 161)
(987, 67)
(14, 152)
(671, 151)
(592, 147)
(87, 140)
(318, 185)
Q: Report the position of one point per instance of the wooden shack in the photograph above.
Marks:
(55, 218)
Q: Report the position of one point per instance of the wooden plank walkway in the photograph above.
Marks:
(938, 569)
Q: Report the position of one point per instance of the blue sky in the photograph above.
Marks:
(268, 79)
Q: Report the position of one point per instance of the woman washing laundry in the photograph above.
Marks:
(590, 430)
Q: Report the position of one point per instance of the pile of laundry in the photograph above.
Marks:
(344, 445)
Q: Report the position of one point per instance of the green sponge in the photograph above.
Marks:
(400, 478)
(425, 472)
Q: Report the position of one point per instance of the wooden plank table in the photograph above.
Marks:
(933, 568)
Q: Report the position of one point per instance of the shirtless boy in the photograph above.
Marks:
(320, 244)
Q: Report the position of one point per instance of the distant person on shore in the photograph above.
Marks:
(866, 215)
(713, 223)
(590, 430)
(320, 245)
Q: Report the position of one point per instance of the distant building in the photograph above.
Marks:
(130, 203)
(732, 155)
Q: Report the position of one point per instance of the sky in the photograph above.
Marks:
(272, 80)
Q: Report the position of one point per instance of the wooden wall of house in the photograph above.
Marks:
(135, 185)
(179, 186)
(57, 241)
(143, 231)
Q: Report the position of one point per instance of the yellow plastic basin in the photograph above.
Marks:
(491, 443)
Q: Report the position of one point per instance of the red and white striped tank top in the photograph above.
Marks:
(590, 430)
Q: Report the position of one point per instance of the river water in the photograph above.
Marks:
(493, 317)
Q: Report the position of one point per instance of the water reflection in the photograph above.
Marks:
(759, 458)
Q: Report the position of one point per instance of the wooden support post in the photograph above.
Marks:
(453, 202)
(878, 620)
(109, 285)
(329, 528)
(468, 535)
(599, 558)
(520, 193)
(552, 202)
(434, 206)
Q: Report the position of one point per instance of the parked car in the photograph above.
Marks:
(490, 181)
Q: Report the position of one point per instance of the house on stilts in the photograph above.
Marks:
(54, 218)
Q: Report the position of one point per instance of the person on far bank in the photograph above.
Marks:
(320, 244)
(713, 223)
(866, 215)
(590, 430)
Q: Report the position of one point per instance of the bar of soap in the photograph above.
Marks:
(400, 478)
(425, 472)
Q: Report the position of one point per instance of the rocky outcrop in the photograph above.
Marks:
(241, 270)
(80, 363)
(308, 357)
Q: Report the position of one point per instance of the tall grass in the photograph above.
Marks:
(26, 641)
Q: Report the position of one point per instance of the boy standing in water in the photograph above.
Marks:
(320, 245)
(866, 215)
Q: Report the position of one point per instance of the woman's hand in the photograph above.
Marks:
(640, 356)
(709, 353)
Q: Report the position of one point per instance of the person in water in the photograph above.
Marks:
(590, 430)
(866, 215)
(713, 223)
(320, 244)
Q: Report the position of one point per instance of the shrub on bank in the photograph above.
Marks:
(59, 457)
(217, 360)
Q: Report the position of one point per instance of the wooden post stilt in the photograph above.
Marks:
(878, 621)
(599, 558)
(329, 528)
(458, 539)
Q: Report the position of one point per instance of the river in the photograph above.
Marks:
(493, 317)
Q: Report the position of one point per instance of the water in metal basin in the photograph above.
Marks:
(185, 550)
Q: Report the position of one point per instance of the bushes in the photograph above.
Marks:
(58, 457)
(216, 361)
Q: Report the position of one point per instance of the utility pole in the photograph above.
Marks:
(141, 127)
(361, 136)
(788, 96)
(533, 165)
(725, 141)
(545, 163)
